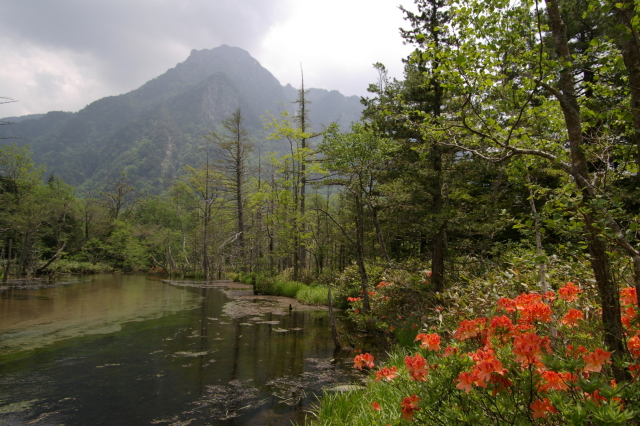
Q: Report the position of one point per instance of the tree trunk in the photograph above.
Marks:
(439, 241)
(364, 278)
(630, 46)
(608, 291)
(332, 320)
(7, 268)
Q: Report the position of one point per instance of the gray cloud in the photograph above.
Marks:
(122, 43)
(64, 54)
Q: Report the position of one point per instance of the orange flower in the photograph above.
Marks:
(376, 406)
(556, 381)
(364, 360)
(550, 296)
(353, 299)
(500, 382)
(536, 311)
(409, 406)
(571, 318)
(449, 350)
(528, 348)
(465, 381)
(540, 408)
(569, 292)
(387, 373)
(629, 296)
(628, 314)
(506, 304)
(430, 341)
(634, 345)
(574, 352)
(469, 328)
(503, 323)
(594, 360)
(417, 367)
(526, 299)
(635, 371)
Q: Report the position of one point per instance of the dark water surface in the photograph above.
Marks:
(128, 350)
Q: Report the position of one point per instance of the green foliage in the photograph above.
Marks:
(517, 364)
(313, 295)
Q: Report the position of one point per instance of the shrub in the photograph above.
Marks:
(535, 360)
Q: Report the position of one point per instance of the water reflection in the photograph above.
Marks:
(131, 351)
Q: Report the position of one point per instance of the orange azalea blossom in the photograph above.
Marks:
(486, 364)
(528, 348)
(353, 299)
(628, 315)
(409, 406)
(507, 304)
(575, 352)
(571, 318)
(376, 406)
(502, 323)
(594, 360)
(483, 354)
(569, 292)
(629, 296)
(383, 284)
(465, 381)
(449, 350)
(470, 328)
(526, 299)
(540, 408)
(556, 381)
(387, 373)
(635, 371)
(549, 295)
(430, 341)
(417, 367)
(501, 383)
(364, 360)
(634, 345)
(539, 311)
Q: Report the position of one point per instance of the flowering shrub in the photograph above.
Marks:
(533, 362)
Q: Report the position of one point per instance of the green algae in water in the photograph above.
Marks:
(17, 407)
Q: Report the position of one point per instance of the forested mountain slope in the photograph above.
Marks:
(151, 132)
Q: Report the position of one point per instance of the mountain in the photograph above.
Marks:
(152, 132)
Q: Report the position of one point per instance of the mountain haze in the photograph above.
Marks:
(152, 132)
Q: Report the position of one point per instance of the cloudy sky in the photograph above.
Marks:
(64, 54)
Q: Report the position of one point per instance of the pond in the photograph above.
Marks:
(127, 350)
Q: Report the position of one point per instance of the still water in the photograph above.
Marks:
(130, 350)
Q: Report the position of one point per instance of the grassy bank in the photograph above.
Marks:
(312, 294)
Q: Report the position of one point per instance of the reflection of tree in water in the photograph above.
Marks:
(294, 390)
(224, 402)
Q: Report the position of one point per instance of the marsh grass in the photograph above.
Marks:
(287, 288)
(313, 295)
(66, 266)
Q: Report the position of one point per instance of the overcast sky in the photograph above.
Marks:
(64, 54)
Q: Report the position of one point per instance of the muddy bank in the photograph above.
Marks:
(35, 284)
(245, 304)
